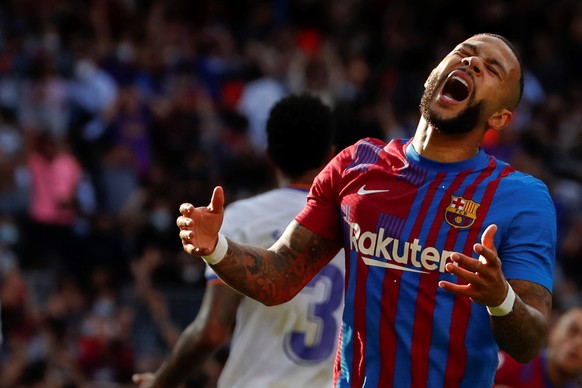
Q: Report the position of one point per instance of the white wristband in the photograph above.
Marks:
(506, 306)
(219, 251)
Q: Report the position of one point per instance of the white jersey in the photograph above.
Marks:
(293, 344)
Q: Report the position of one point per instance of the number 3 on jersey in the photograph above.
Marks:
(316, 344)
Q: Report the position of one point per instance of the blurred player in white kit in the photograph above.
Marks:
(293, 344)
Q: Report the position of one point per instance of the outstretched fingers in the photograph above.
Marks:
(482, 280)
(465, 268)
(199, 226)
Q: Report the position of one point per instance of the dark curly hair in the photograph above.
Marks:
(299, 134)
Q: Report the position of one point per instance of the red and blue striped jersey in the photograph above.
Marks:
(399, 217)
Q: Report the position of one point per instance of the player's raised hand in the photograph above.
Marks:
(482, 280)
(199, 226)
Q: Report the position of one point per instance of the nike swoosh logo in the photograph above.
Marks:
(363, 191)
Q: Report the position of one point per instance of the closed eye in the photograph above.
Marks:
(463, 54)
(493, 70)
(492, 64)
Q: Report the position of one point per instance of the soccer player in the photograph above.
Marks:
(559, 365)
(449, 252)
(295, 343)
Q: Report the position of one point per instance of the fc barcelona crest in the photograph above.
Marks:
(461, 212)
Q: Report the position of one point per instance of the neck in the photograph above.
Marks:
(440, 147)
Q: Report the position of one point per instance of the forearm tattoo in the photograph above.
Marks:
(274, 276)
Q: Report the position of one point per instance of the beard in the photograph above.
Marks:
(461, 124)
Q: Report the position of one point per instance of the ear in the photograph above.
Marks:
(500, 119)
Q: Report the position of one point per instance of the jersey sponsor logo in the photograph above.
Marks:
(461, 213)
(364, 191)
(380, 250)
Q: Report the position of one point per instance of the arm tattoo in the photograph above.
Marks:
(273, 276)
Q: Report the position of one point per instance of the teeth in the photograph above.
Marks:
(461, 81)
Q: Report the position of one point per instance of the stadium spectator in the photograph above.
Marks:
(559, 365)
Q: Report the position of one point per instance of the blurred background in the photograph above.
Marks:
(113, 112)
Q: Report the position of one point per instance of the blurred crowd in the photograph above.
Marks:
(113, 112)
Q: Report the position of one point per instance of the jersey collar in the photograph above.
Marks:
(477, 161)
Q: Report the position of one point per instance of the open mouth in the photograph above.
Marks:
(456, 88)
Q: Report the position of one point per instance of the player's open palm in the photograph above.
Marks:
(199, 226)
(484, 281)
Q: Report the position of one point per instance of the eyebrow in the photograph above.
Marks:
(490, 60)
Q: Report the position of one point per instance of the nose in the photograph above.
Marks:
(474, 63)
